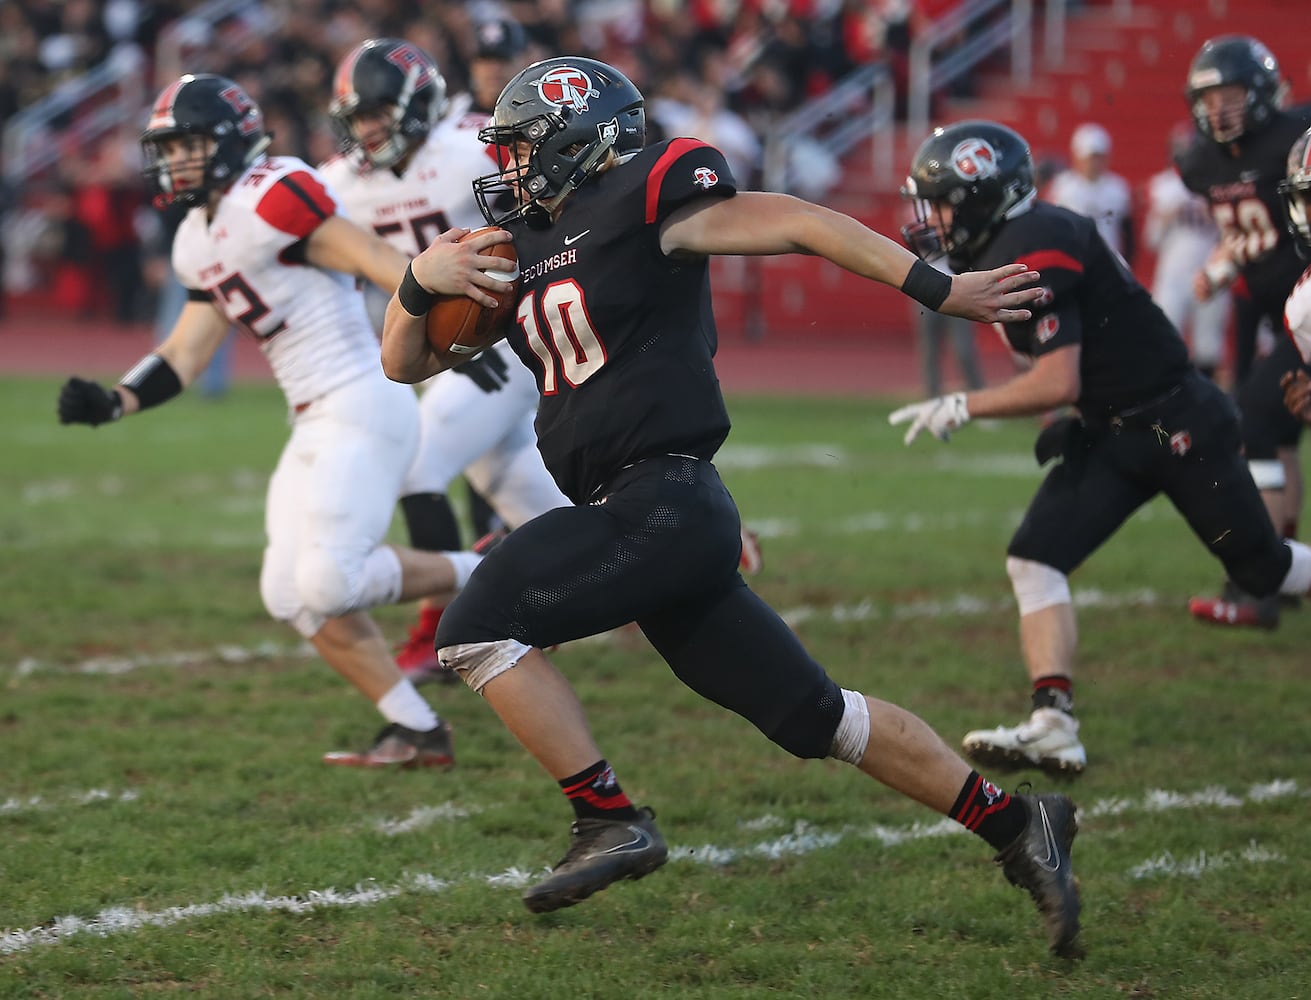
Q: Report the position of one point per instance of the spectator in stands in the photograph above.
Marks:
(694, 104)
(1179, 228)
(1090, 188)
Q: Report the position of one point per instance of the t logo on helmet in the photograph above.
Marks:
(567, 87)
(248, 123)
(974, 159)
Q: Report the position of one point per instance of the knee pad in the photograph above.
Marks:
(811, 731)
(479, 663)
(1267, 473)
(1036, 585)
(283, 604)
(852, 736)
(332, 584)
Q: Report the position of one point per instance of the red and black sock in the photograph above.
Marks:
(595, 794)
(985, 809)
(1054, 691)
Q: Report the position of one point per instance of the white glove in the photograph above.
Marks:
(938, 416)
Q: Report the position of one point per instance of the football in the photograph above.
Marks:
(458, 327)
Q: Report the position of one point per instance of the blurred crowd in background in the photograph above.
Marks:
(719, 69)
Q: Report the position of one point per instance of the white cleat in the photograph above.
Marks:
(1048, 740)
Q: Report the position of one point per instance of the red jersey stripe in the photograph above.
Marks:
(1043, 260)
(296, 204)
(677, 148)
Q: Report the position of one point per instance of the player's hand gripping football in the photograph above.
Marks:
(1297, 394)
(83, 402)
(449, 267)
(996, 296)
(939, 416)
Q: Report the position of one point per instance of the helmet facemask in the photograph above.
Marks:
(1295, 189)
(392, 79)
(1236, 61)
(557, 124)
(537, 189)
(211, 108)
(983, 173)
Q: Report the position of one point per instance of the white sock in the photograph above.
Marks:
(404, 705)
(464, 564)
(1298, 580)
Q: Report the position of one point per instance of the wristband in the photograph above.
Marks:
(413, 297)
(152, 380)
(927, 285)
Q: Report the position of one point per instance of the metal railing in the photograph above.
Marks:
(80, 111)
(74, 115)
(986, 30)
(860, 105)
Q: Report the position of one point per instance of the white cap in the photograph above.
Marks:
(1089, 139)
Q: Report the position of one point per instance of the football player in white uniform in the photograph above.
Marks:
(263, 247)
(406, 171)
(1296, 191)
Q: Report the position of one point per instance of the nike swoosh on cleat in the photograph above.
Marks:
(640, 842)
(1052, 862)
(571, 240)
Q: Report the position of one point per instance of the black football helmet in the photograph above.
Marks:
(499, 38)
(388, 73)
(573, 112)
(1296, 191)
(983, 171)
(1234, 59)
(203, 104)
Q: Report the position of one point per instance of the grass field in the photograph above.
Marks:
(167, 827)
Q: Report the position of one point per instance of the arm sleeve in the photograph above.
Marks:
(1055, 322)
(686, 170)
(296, 204)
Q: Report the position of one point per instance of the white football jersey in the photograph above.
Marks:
(433, 194)
(1107, 201)
(1297, 315)
(309, 322)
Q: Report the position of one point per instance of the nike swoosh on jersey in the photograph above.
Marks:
(571, 240)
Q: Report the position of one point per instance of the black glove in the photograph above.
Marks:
(83, 402)
(1059, 439)
(488, 371)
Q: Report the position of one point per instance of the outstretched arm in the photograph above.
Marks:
(759, 223)
(156, 378)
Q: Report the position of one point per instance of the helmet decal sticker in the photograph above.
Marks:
(974, 159)
(567, 87)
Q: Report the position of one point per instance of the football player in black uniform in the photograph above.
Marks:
(1237, 163)
(614, 317)
(1148, 421)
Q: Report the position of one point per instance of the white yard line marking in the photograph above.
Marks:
(40, 803)
(422, 817)
(1166, 865)
(955, 606)
(803, 839)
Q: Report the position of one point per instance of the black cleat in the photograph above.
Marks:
(602, 851)
(400, 746)
(1038, 860)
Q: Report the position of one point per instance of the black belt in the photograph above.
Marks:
(1142, 416)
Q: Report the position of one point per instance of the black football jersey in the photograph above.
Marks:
(1130, 352)
(1245, 203)
(620, 337)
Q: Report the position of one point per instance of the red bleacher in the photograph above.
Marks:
(1124, 66)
